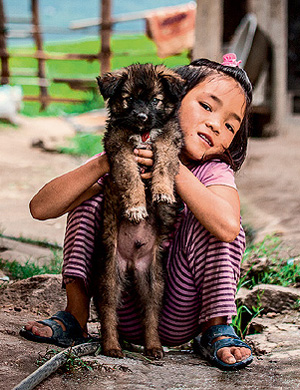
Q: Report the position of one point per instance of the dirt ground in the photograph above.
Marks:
(269, 188)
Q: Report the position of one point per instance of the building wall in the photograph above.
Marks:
(272, 18)
(209, 30)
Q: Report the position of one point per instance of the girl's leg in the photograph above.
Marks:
(80, 242)
(77, 304)
(81, 239)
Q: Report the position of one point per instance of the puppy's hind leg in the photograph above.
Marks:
(111, 290)
(110, 280)
(150, 285)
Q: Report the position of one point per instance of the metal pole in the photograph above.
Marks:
(105, 33)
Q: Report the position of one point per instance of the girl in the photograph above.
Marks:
(202, 266)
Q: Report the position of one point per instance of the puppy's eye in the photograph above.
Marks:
(129, 99)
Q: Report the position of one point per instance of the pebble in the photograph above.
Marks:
(271, 314)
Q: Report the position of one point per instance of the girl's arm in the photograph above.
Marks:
(65, 192)
(216, 207)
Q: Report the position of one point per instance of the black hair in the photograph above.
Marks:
(196, 72)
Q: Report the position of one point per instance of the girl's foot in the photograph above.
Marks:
(62, 330)
(42, 330)
(230, 354)
(65, 324)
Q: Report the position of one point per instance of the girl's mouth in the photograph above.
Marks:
(206, 139)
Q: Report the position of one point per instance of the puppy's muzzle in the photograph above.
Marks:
(142, 117)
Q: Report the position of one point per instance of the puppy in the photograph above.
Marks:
(142, 102)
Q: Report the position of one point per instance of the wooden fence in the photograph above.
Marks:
(104, 55)
(104, 22)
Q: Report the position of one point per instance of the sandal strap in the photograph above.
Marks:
(73, 329)
(217, 331)
(72, 325)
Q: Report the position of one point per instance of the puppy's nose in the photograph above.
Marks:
(142, 117)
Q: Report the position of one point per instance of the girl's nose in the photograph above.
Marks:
(214, 125)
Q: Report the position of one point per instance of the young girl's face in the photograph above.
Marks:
(210, 115)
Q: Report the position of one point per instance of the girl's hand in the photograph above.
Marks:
(144, 157)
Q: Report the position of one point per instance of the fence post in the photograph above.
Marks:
(4, 53)
(39, 46)
(105, 33)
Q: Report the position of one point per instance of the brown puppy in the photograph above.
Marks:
(138, 215)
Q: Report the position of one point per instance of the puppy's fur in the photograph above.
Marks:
(138, 215)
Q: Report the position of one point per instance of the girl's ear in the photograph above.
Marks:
(110, 82)
(172, 81)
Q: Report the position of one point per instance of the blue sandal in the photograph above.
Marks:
(205, 346)
(71, 336)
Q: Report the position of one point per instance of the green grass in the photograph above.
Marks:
(16, 270)
(83, 144)
(40, 243)
(281, 271)
(127, 49)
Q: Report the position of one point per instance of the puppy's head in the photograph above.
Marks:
(141, 96)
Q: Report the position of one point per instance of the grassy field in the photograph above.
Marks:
(127, 49)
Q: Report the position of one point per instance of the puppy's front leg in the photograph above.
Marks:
(128, 180)
(165, 168)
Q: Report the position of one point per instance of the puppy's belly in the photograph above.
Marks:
(135, 245)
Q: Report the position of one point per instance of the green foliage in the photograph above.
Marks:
(244, 316)
(83, 144)
(73, 363)
(281, 271)
(268, 247)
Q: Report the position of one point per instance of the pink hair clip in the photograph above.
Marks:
(230, 60)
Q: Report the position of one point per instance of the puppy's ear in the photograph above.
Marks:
(110, 82)
(172, 82)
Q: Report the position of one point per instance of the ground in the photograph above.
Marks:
(269, 190)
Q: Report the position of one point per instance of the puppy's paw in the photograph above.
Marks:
(164, 198)
(155, 352)
(136, 214)
(115, 353)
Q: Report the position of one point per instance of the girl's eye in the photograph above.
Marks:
(205, 106)
(230, 128)
(155, 100)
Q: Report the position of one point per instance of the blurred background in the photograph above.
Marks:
(52, 49)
